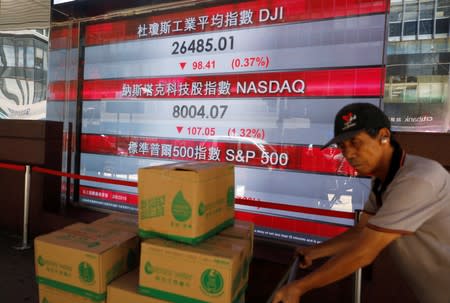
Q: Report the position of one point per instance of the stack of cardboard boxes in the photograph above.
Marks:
(183, 210)
(192, 249)
(75, 264)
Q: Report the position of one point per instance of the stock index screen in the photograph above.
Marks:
(253, 83)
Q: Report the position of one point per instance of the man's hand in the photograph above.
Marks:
(290, 293)
(305, 255)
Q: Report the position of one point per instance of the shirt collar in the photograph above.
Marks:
(397, 160)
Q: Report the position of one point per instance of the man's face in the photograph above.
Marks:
(363, 152)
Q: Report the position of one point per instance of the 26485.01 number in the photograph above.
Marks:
(203, 45)
(193, 111)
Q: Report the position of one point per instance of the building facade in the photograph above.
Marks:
(417, 68)
(23, 74)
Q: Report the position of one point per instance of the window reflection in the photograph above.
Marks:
(23, 74)
(417, 66)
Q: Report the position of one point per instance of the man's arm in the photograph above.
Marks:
(361, 253)
(335, 245)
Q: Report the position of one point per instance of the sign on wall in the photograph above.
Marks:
(256, 84)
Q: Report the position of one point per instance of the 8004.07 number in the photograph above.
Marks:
(203, 45)
(202, 111)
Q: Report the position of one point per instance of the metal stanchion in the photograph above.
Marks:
(358, 273)
(26, 209)
(294, 269)
(288, 277)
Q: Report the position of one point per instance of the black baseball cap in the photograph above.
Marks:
(356, 117)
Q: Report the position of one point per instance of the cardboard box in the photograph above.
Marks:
(49, 294)
(124, 290)
(185, 202)
(120, 221)
(215, 270)
(84, 258)
(241, 230)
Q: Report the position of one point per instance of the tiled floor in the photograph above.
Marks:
(17, 283)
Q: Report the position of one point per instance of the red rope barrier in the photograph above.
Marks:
(88, 178)
(12, 166)
(277, 206)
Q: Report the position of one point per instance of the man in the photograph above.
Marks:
(408, 211)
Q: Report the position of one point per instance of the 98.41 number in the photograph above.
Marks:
(203, 45)
(193, 111)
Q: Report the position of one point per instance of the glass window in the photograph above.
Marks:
(395, 29)
(426, 27)
(411, 10)
(20, 56)
(442, 26)
(443, 9)
(30, 56)
(426, 9)
(410, 28)
(39, 58)
(410, 94)
(396, 13)
(10, 55)
(45, 60)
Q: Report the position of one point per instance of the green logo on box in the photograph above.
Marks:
(41, 261)
(212, 282)
(86, 273)
(201, 209)
(181, 210)
(148, 268)
(44, 300)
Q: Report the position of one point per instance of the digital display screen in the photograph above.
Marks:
(256, 83)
